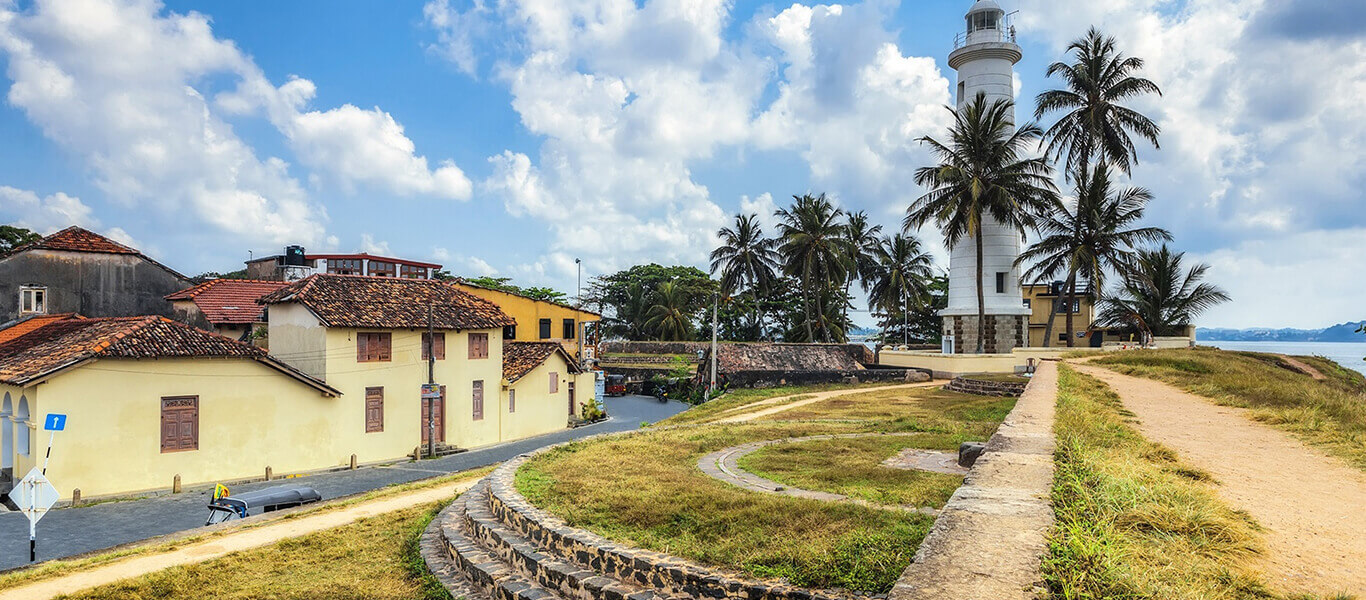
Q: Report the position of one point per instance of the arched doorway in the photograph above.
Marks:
(21, 444)
(7, 435)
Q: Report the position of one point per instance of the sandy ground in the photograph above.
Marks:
(1313, 506)
(233, 542)
(815, 397)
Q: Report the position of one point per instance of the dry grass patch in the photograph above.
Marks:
(911, 409)
(1330, 413)
(375, 558)
(646, 490)
(736, 399)
(60, 567)
(1132, 522)
(852, 467)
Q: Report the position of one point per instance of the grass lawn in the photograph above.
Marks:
(60, 567)
(1133, 522)
(713, 409)
(375, 558)
(919, 409)
(852, 467)
(645, 489)
(1330, 413)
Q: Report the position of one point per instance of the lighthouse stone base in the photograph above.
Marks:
(1003, 333)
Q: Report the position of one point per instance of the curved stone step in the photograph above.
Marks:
(562, 577)
(665, 575)
(489, 575)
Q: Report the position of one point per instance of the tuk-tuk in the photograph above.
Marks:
(616, 385)
(227, 507)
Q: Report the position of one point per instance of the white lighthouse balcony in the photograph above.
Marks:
(986, 35)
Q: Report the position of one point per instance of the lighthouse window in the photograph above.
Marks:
(1000, 283)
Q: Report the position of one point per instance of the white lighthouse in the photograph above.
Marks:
(984, 56)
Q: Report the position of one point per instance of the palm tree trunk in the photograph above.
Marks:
(1048, 331)
(806, 309)
(1071, 297)
(981, 294)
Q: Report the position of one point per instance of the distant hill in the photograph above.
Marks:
(1343, 332)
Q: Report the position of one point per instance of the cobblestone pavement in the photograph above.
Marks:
(70, 531)
(724, 465)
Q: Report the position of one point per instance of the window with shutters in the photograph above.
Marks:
(374, 409)
(545, 329)
(512, 401)
(569, 329)
(554, 383)
(179, 423)
(374, 347)
(479, 345)
(479, 400)
(439, 345)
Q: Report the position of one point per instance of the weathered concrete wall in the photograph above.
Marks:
(765, 379)
(95, 285)
(858, 352)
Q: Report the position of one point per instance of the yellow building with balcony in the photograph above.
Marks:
(539, 320)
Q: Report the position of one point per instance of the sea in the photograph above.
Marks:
(1348, 354)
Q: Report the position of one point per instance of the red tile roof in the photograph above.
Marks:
(389, 303)
(520, 358)
(79, 239)
(229, 301)
(60, 345)
(25, 325)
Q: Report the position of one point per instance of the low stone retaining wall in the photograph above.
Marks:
(984, 387)
(990, 538)
(766, 379)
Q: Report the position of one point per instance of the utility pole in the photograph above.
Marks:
(905, 320)
(578, 283)
(431, 380)
(715, 300)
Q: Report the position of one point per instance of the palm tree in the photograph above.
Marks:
(746, 259)
(901, 273)
(813, 249)
(1156, 298)
(861, 242)
(984, 172)
(1096, 123)
(669, 313)
(1086, 239)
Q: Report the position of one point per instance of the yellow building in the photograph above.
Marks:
(366, 336)
(148, 399)
(1044, 298)
(537, 320)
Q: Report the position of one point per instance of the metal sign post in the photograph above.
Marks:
(36, 495)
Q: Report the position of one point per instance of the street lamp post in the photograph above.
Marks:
(578, 282)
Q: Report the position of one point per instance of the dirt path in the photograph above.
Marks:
(814, 397)
(233, 542)
(1313, 506)
(1302, 367)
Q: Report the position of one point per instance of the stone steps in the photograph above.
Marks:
(492, 544)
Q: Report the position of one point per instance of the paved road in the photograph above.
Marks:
(72, 531)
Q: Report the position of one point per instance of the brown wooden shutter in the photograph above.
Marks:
(362, 347)
(374, 409)
(479, 345)
(179, 423)
(440, 346)
(479, 400)
(554, 383)
(512, 401)
(386, 346)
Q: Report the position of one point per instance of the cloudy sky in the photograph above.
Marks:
(509, 137)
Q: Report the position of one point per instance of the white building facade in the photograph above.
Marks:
(984, 57)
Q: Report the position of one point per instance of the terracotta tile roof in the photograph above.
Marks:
(79, 239)
(62, 344)
(27, 324)
(737, 357)
(229, 301)
(389, 303)
(520, 358)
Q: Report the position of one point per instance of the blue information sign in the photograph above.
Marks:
(54, 422)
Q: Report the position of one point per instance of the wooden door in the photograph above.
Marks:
(440, 418)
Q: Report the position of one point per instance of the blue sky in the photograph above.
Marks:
(509, 137)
